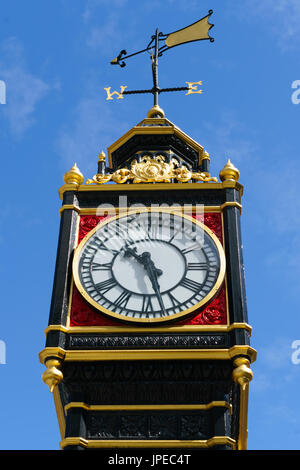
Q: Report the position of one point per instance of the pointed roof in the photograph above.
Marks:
(155, 133)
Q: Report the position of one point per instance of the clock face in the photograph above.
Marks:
(150, 266)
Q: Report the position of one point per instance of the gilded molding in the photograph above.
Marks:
(51, 353)
(169, 329)
(59, 412)
(151, 187)
(71, 207)
(231, 204)
(94, 443)
(207, 406)
(117, 210)
(242, 374)
(152, 170)
(149, 354)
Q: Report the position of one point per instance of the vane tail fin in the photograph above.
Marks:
(194, 32)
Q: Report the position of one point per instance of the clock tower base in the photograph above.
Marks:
(148, 404)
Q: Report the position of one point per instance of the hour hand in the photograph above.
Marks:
(144, 259)
(153, 272)
(149, 265)
(130, 252)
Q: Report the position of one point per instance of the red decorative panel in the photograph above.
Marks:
(83, 315)
(214, 314)
(87, 223)
(212, 220)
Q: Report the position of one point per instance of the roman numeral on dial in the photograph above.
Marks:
(175, 302)
(147, 304)
(191, 285)
(197, 266)
(101, 267)
(193, 247)
(100, 245)
(104, 286)
(123, 299)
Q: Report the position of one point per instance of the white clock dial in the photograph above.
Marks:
(151, 266)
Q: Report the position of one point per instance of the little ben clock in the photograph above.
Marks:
(149, 265)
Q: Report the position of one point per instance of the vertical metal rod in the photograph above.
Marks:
(155, 70)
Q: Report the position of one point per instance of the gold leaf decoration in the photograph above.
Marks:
(152, 170)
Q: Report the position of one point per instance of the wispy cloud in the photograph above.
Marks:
(92, 5)
(274, 359)
(101, 37)
(92, 128)
(281, 18)
(24, 90)
(230, 138)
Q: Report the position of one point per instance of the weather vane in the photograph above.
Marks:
(158, 45)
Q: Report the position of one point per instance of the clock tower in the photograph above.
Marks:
(147, 344)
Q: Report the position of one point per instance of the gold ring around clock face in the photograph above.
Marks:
(149, 266)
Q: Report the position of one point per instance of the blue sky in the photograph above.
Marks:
(55, 62)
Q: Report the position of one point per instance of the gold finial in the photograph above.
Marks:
(53, 375)
(229, 172)
(102, 157)
(242, 374)
(155, 112)
(74, 176)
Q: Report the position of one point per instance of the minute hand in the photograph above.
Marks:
(153, 272)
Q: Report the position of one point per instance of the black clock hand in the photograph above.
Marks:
(153, 272)
(132, 252)
(142, 259)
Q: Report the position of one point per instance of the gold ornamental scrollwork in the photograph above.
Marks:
(152, 170)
